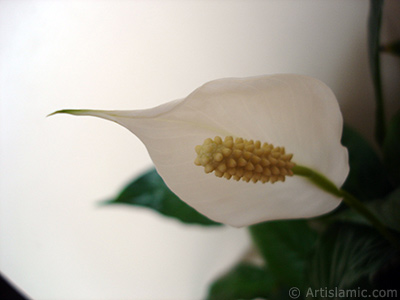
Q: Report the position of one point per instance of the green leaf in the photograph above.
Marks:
(285, 245)
(374, 26)
(391, 149)
(367, 179)
(388, 210)
(149, 190)
(349, 256)
(244, 281)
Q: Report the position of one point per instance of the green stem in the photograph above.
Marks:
(325, 184)
(374, 26)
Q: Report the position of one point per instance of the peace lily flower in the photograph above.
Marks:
(249, 132)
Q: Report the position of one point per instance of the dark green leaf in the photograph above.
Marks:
(245, 282)
(367, 179)
(149, 190)
(391, 149)
(285, 245)
(349, 256)
(388, 209)
(374, 26)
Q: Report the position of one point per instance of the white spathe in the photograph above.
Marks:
(297, 112)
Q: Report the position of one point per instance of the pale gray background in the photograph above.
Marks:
(55, 242)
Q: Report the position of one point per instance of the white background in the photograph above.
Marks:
(55, 241)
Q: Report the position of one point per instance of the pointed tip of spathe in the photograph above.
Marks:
(103, 203)
(76, 112)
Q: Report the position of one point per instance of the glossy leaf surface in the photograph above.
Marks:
(245, 282)
(286, 246)
(367, 179)
(149, 190)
